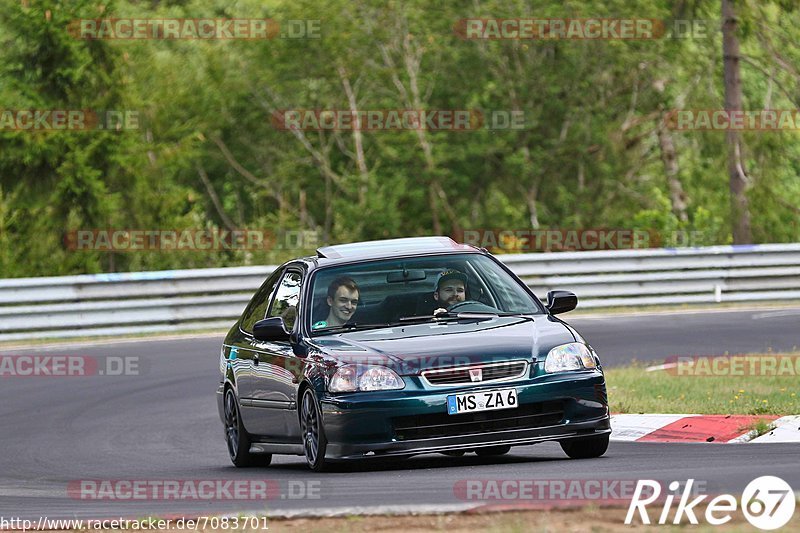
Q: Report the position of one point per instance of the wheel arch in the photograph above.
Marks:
(314, 380)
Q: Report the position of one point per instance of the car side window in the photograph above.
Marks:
(257, 309)
(286, 299)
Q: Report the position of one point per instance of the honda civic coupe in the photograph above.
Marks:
(403, 347)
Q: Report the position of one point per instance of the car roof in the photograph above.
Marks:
(386, 249)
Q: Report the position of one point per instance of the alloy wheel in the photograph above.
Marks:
(231, 424)
(310, 428)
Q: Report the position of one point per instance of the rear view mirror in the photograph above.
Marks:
(405, 276)
(561, 302)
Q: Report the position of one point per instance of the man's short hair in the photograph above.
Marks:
(341, 281)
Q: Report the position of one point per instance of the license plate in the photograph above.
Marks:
(489, 400)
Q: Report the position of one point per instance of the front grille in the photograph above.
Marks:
(526, 416)
(490, 372)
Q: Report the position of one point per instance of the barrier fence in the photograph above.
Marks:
(141, 302)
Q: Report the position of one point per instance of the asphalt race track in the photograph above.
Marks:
(619, 339)
(163, 425)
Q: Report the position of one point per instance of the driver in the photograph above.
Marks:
(451, 289)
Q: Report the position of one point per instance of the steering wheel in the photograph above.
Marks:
(473, 306)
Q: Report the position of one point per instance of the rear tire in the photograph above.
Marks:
(491, 451)
(585, 448)
(237, 437)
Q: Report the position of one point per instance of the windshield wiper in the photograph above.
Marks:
(445, 316)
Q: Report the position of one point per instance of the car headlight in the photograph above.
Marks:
(572, 356)
(352, 378)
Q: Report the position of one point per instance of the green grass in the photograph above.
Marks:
(762, 427)
(632, 389)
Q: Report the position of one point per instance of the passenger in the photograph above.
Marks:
(451, 288)
(342, 300)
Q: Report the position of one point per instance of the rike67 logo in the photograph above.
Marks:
(767, 503)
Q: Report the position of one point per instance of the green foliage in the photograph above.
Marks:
(588, 156)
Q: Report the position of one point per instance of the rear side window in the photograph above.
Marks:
(257, 308)
(286, 299)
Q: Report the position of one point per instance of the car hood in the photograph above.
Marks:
(418, 347)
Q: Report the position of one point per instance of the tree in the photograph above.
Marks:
(740, 208)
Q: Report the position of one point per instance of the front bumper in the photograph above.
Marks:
(415, 420)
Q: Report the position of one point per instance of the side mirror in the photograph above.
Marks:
(271, 329)
(561, 302)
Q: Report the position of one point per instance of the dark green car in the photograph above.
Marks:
(403, 347)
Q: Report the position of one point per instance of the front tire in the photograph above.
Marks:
(314, 442)
(237, 437)
(585, 448)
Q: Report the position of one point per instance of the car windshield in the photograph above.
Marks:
(400, 290)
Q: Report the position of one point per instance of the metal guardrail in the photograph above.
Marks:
(128, 303)
(711, 274)
(140, 302)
